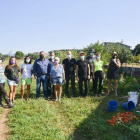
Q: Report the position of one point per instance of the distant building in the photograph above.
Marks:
(109, 44)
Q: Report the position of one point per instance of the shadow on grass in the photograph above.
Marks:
(96, 127)
(32, 96)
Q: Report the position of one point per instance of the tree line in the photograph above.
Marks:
(125, 55)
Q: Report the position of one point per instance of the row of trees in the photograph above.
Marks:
(3, 56)
(20, 55)
(125, 55)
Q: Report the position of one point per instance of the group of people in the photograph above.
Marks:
(51, 74)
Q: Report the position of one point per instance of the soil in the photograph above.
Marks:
(3, 124)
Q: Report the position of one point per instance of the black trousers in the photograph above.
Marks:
(49, 85)
(68, 78)
(3, 93)
(98, 76)
(91, 75)
(85, 80)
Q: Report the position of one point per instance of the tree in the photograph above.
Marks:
(5, 57)
(19, 55)
(137, 58)
(33, 56)
(99, 47)
(0, 54)
(125, 56)
(136, 50)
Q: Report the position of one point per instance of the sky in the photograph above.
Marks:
(45, 25)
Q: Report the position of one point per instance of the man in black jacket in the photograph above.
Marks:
(69, 65)
(83, 73)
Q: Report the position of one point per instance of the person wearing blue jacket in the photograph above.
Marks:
(41, 70)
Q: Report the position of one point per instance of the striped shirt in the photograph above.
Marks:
(2, 77)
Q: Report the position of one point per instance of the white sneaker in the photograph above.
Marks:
(59, 99)
(10, 105)
(13, 101)
(56, 99)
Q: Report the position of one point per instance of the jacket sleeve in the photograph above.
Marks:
(35, 68)
(49, 69)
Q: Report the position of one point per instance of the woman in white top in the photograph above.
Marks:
(26, 71)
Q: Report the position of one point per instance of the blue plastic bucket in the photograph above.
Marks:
(129, 106)
(112, 106)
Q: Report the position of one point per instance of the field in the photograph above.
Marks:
(70, 119)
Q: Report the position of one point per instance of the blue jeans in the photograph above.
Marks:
(49, 85)
(42, 79)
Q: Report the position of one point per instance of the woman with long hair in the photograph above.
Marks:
(12, 73)
(26, 71)
(113, 72)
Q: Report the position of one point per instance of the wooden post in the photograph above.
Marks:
(131, 73)
(123, 74)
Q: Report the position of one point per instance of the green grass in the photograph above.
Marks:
(71, 119)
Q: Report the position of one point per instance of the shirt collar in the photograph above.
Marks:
(41, 59)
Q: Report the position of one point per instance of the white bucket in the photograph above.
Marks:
(133, 96)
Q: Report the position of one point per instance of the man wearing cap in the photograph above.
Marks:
(41, 71)
(52, 63)
(91, 58)
(83, 73)
(69, 65)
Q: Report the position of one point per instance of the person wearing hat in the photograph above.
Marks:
(83, 73)
(57, 76)
(91, 58)
(2, 86)
(113, 72)
(69, 65)
(52, 63)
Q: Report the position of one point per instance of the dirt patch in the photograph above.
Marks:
(3, 124)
